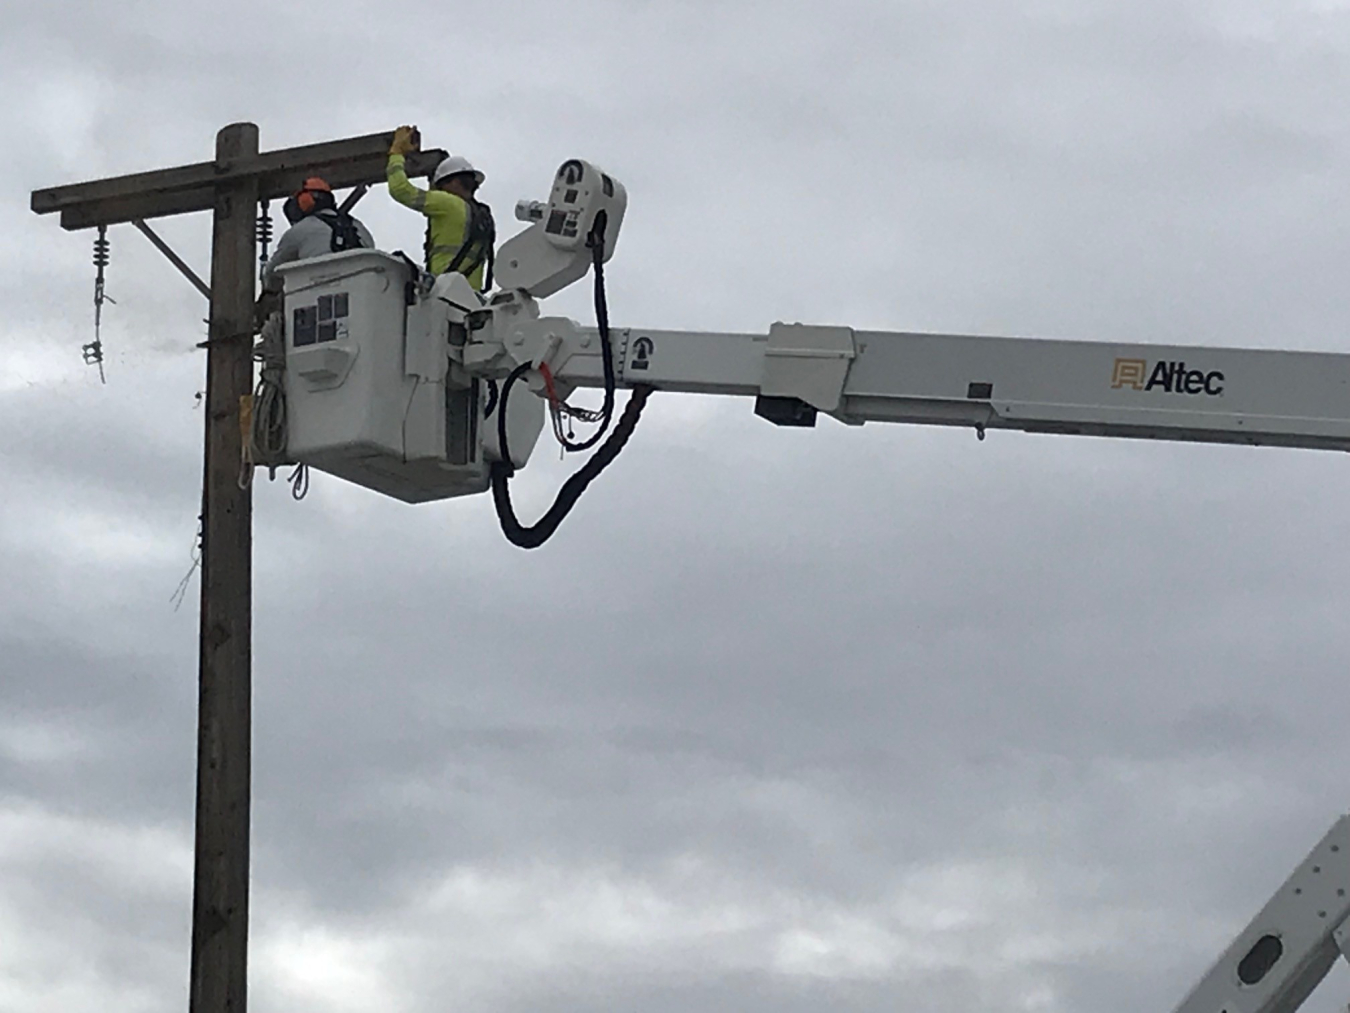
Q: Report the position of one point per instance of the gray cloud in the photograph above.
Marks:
(780, 720)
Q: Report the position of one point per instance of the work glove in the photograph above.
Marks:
(405, 141)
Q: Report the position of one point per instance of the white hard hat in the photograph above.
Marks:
(453, 165)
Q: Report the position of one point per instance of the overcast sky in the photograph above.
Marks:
(849, 719)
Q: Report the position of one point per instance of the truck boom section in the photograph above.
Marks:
(1211, 395)
(1285, 952)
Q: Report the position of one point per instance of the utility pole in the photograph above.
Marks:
(219, 972)
(231, 186)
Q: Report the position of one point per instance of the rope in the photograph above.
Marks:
(299, 480)
(269, 397)
(264, 441)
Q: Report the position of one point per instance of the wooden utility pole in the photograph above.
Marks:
(231, 186)
(219, 973)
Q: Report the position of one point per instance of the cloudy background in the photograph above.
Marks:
(841, 719)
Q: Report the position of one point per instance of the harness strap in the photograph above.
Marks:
(345, 234)
(480, 233)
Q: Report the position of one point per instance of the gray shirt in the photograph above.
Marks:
(309, 237)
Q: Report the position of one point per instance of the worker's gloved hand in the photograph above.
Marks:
(405, 141)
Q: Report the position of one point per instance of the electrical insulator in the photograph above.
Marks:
(264, 227)
(102, 249)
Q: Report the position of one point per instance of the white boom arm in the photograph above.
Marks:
(1283, 954)
(1215, 395)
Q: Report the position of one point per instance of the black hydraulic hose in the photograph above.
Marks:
(491, 399)
(596, 241)
(500, 402)
(537, 534)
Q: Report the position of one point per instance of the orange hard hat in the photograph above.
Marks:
(307, 201)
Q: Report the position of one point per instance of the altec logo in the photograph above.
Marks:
(1168, 377)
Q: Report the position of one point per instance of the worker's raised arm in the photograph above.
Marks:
(429, 202)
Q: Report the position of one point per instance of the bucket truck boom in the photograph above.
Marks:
(1283, 954)
(399, 381)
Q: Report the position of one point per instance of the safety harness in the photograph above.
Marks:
(480, 236)
(345, 235)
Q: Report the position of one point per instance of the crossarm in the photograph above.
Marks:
(352, 161)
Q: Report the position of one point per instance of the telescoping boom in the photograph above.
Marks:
(1213, 395)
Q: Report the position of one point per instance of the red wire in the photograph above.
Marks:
(548, 382)
(554, 407)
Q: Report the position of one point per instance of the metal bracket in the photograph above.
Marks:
(354, 198)
(1342, 937)
(227, 339)
(808, 363)
(172, 257)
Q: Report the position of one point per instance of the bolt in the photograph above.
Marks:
(585, 341)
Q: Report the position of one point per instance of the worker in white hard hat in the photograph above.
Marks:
(460, 230)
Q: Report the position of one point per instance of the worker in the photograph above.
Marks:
(318, 226)
(460, 230)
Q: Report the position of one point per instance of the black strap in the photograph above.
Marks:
(480, 239)
(345, 234)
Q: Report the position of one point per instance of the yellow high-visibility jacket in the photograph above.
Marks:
(447, 223)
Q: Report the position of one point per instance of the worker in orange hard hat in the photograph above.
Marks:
(318, 226)
(460, 230)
